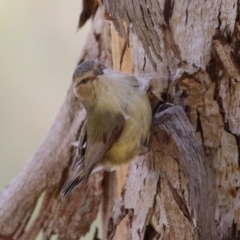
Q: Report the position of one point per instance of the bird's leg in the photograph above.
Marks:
(146, 146)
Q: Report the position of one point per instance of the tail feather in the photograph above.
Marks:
(70, 185)
(80, 175)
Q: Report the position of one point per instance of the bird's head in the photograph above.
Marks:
(84, 77)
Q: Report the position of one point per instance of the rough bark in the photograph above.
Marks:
(188, 185)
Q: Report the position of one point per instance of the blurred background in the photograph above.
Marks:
(39, 49)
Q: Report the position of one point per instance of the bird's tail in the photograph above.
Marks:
(71, 184)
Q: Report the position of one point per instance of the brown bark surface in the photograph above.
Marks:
(187, 185)
(191, 188)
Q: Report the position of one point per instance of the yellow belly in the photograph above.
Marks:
(135, 132)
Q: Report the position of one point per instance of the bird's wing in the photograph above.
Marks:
(102, 142)
(96, 148)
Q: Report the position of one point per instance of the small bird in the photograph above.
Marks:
(118, 120)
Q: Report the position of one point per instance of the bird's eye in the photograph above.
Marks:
(83, 81)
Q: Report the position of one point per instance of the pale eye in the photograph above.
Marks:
(83, 81)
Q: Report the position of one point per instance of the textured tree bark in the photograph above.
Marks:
(187, 185)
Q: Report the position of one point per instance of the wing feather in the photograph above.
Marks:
(95, 150)
(103, 142)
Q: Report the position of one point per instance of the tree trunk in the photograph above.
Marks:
(187, 185)
(191, 188)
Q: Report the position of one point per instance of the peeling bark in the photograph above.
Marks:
(193, 47)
